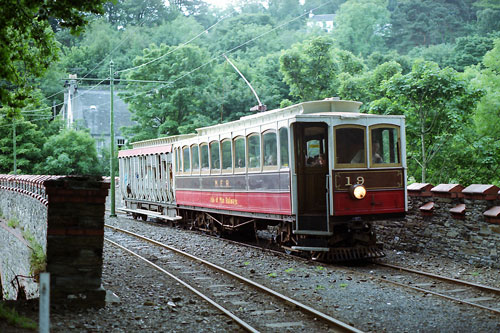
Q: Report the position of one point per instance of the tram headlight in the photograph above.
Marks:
(357, 191)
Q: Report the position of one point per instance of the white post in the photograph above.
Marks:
(44, 313)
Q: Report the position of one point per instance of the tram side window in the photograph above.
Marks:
(185, 159)
(204, 157)
(196, 157)
(254, 151)
(227, 158)
(239, 153)
(385, 145)
(270, 149)
(284, 147)
(350, 146)
(214, 155)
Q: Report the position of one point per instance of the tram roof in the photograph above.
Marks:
(328, 106)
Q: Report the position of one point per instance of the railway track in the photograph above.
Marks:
(252, 306)
(473, 294)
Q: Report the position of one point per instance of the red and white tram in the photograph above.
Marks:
(313, 175)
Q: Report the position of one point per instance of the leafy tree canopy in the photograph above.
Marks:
(70, 152)
(27, 44)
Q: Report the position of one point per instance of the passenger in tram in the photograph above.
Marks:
(360, 155)
(320, 160)
(376, 157)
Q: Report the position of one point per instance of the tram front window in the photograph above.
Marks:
(350, 147)
(384, 145)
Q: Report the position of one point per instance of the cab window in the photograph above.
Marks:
(214, 155)
(315, 146)
(350, 147)
(384, 145)
(254, 151)
(270, 150)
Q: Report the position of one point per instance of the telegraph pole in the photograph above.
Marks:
(112, 148)
(14, 143)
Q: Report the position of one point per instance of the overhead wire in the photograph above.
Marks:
(245, 43)
(169, 83)
(171, 51)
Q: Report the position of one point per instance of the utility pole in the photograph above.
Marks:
(112, 148)
(14, 142)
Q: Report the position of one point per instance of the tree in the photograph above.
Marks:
(427, 22)
(130, 12)
(435, 102)
(361, 26)
(488, 109)
(70, 152)
(27, 44)
(168, 108)
(29, 140)
(309, 69)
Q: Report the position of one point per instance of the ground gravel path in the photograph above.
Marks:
(148, 302)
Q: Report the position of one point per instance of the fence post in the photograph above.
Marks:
(44, 313)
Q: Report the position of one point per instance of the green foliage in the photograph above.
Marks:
(13, 318)
(13, 223)
(38, 258)
(70, 152)
(310, 70)
(427, 22)
(272, 275)
(28, 45)
(435, 102)
(361, 26)
(29, 139)
(488, 109)
(173, 108)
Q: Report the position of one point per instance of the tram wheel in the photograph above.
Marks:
(144, 217)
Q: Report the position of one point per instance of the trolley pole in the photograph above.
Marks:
(112, 148)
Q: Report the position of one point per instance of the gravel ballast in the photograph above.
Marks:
(149, 302)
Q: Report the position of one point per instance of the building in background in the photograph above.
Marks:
(90, 108)
(323, 21)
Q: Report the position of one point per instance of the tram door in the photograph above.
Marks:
(311, 158)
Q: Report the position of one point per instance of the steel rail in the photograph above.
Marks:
(444, 278)
(240, 322)
(337, 323)
(471, 284)
(497, 311)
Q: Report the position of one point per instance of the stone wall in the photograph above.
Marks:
(448, 220)
(65, 217)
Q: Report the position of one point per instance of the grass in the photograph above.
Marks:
(273, 275)
(38, 259)
(13, 318)
(13, 223)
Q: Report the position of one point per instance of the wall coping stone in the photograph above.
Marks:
(448, 190)
(420, 189)
(427, 209)
(481, 191)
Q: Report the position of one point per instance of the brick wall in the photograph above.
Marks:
(65, 215)
(450, 220)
